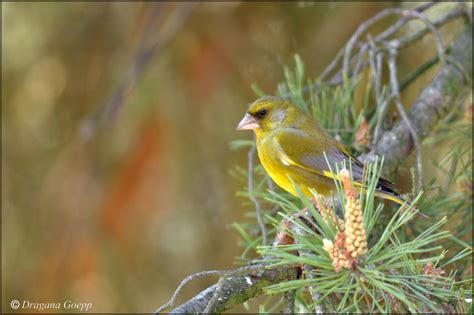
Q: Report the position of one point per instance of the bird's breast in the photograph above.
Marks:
(279, 168)
(276, 166)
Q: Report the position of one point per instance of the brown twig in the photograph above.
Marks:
(430, 26)
(315, 295)
(410, 14)
(375, 61)
(446, 89)
(258, 206)
(221, 273)
(363, 27)
(215, 298)
(402, 22)
(380, 118)
(407, 15)
(359, 65)
(453, 14)
(332, 65)
(392, 65)
(289, 302)
(150, 44)
(237, 288)
(271, 187)
(380, 37)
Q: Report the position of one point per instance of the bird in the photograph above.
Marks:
(293, 149)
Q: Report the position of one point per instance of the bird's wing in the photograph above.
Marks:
(302, 150)
(306, 151)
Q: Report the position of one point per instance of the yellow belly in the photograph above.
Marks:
(281, 174)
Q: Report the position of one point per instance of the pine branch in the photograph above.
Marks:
(235, 290)
(449, 87)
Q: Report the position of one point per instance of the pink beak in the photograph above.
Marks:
(248, 123)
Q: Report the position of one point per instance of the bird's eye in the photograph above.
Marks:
(261, 113)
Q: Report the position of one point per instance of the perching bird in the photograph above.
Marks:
(290, 144)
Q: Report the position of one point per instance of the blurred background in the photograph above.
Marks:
(116, 121)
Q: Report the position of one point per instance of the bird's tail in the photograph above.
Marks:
(394, 197)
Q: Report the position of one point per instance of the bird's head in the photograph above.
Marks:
(268, 113)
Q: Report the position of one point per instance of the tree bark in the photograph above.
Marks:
(236, 290)
(448, 87)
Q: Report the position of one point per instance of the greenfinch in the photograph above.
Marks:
(292, 145)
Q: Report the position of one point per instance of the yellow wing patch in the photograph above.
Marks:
(287, 161)
(336, 177)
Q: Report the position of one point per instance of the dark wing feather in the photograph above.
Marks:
(307, 152)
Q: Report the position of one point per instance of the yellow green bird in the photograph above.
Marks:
(292, 145)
